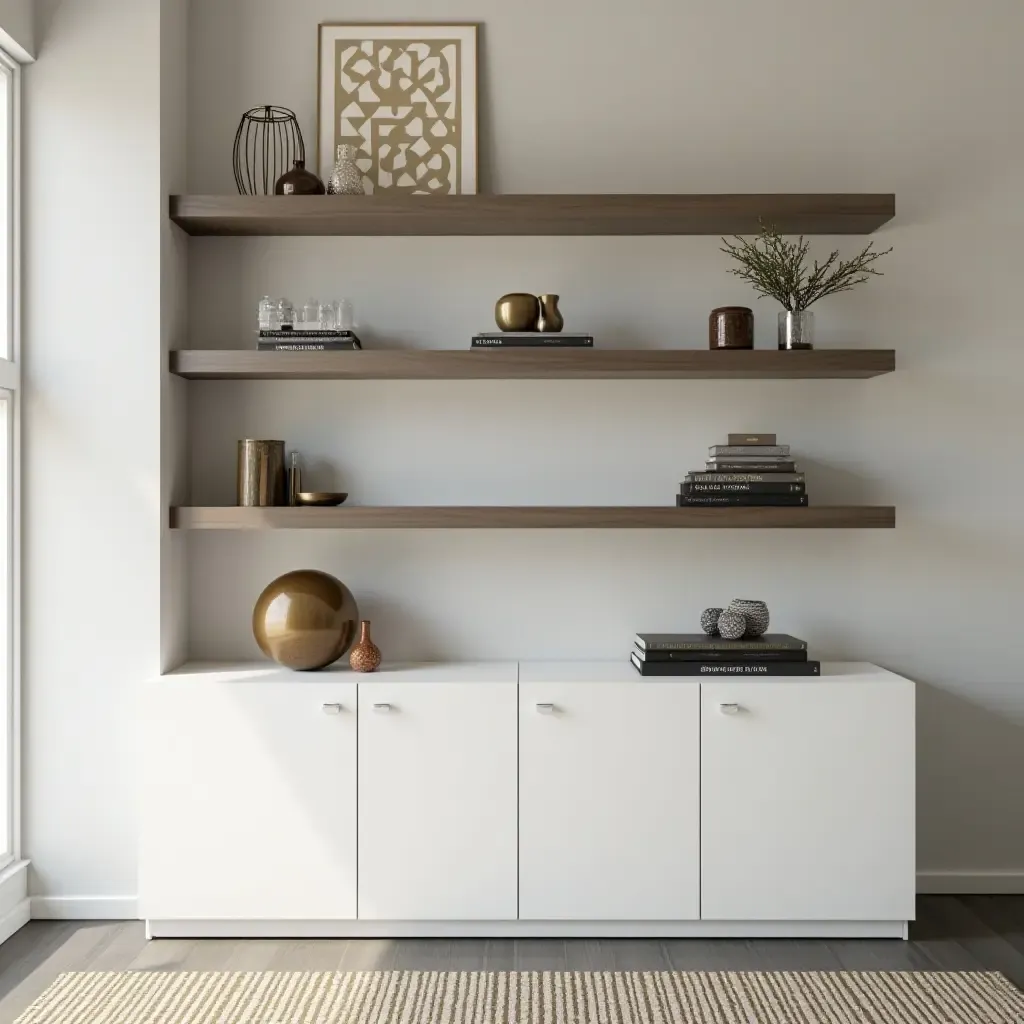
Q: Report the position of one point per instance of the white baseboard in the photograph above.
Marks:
(85, 908)
(14, 904)
(14, 920)
(970, 883)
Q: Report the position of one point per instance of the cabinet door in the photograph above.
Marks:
(608, 801)
(807, 801)
(437, 801)
(249, 801)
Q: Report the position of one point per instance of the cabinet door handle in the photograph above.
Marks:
(546, 709)
(730, 709)
(382, 707)
(333, 709)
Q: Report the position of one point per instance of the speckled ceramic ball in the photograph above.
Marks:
(305, 620)
(732, 625)
(709, 620)
(756, 614)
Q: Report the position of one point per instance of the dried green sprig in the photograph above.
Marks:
(778, 269)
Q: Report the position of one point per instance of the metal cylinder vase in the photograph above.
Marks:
(261, 475)
(731, 327)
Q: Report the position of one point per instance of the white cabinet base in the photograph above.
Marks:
(527, 929)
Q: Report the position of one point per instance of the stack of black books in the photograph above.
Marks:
(750, 470)
(308, 341)
(531, 339)
(697, 654)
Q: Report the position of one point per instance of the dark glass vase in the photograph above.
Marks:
(299, 182)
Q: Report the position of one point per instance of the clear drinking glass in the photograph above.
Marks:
(345, 315)
(309, 317)
(328, 317)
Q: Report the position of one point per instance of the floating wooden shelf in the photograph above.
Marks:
(531, 364)
(810, 213)
(496, 517)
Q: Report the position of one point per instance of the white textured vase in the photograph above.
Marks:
(346, 179)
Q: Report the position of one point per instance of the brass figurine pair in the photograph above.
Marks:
(520, 311)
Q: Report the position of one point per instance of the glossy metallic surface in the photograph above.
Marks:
(517, 311)
(320, 499)
(305, 620)
(261, 474)
(550, 318)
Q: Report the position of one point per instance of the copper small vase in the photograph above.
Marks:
(365, 656)
(731, 327)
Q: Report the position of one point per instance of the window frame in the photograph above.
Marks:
(10, 390)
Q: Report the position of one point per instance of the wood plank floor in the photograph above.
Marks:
(951, 933)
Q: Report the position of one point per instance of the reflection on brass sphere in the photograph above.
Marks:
(305, 620)
(517, 311)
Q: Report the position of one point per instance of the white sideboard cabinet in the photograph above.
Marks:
(533, 799)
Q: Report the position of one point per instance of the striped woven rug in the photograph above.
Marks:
(417, 997)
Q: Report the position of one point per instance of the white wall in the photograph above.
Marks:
(94, 212)
(652, 96)
(666, 96)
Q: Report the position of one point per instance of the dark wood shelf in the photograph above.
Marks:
(496, 517)
(531, 364)
(620, 214)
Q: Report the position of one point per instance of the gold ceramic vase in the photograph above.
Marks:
(365, 656)
(550, 319)
(517, 311)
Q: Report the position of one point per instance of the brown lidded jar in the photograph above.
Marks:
(731, 327)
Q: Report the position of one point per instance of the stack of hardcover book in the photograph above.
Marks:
(697, 654)
(531, 339)
(750, 470)
(307, 341)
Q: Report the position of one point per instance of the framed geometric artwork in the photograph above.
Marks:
(405, 97)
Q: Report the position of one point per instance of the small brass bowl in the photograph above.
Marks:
(320, 499)
(517, 311)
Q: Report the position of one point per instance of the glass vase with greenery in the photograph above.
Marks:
(779, 269)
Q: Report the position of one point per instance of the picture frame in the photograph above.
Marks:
(405, 95)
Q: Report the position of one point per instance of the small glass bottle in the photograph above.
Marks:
(266, 315)
(286, 315)
(294, 479)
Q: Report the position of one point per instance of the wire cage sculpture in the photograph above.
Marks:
(267, 143)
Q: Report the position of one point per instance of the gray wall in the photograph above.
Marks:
(916, 98)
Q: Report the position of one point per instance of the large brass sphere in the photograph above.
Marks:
(305, 620)
(517, 311)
